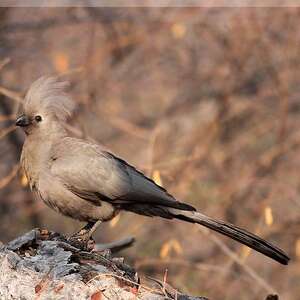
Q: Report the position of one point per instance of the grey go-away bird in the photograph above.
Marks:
(81, 180)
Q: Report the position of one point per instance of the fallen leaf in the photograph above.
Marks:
(37, 288)
(268, 216)
(134, 290)
(24, 180)
(168, 247)
(58, 288)
(114, 221)
(178, 30)
(245, 252)
(164, 251)
(97, 296)
(156, 177)
(297, 248)
(177, 247)
(42, 285)
(61, 62)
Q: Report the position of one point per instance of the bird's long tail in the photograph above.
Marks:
(234, 232)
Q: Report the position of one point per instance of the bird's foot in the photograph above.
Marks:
(83, 238)
(82, 242)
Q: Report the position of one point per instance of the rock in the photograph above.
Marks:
(43, 265)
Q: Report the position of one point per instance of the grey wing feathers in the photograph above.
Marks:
(85, 169)
(94, 174)
(145, 190)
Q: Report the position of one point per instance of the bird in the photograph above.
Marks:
(82, 180)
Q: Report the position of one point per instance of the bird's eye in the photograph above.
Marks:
(38, 118)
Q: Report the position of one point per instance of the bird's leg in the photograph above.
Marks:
(83, 238)
(87, 230)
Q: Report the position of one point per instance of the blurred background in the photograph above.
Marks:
(204, 101)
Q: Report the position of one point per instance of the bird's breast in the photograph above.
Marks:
(57, 196)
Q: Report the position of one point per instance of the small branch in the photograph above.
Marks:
(169, 291)
(11, 94)
(117, 245)
(240, 262)
(4, 62)
(129, 127)
(4, 118)
(6, 131)
(7, 179)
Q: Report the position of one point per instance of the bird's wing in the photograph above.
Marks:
(94, 174)
(87, 170)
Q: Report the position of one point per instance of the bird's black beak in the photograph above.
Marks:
(23, 121)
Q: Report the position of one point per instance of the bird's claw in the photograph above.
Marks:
(82, 242)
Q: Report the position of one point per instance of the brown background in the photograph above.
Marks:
(207, 100)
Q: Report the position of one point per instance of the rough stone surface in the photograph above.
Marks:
(43, 265)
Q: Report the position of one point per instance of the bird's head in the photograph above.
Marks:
(45, 105)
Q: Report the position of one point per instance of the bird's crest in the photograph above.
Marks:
(47, 94)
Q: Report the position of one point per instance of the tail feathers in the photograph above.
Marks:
(234, 232)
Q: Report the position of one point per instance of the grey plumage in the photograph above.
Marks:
(81, 180)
